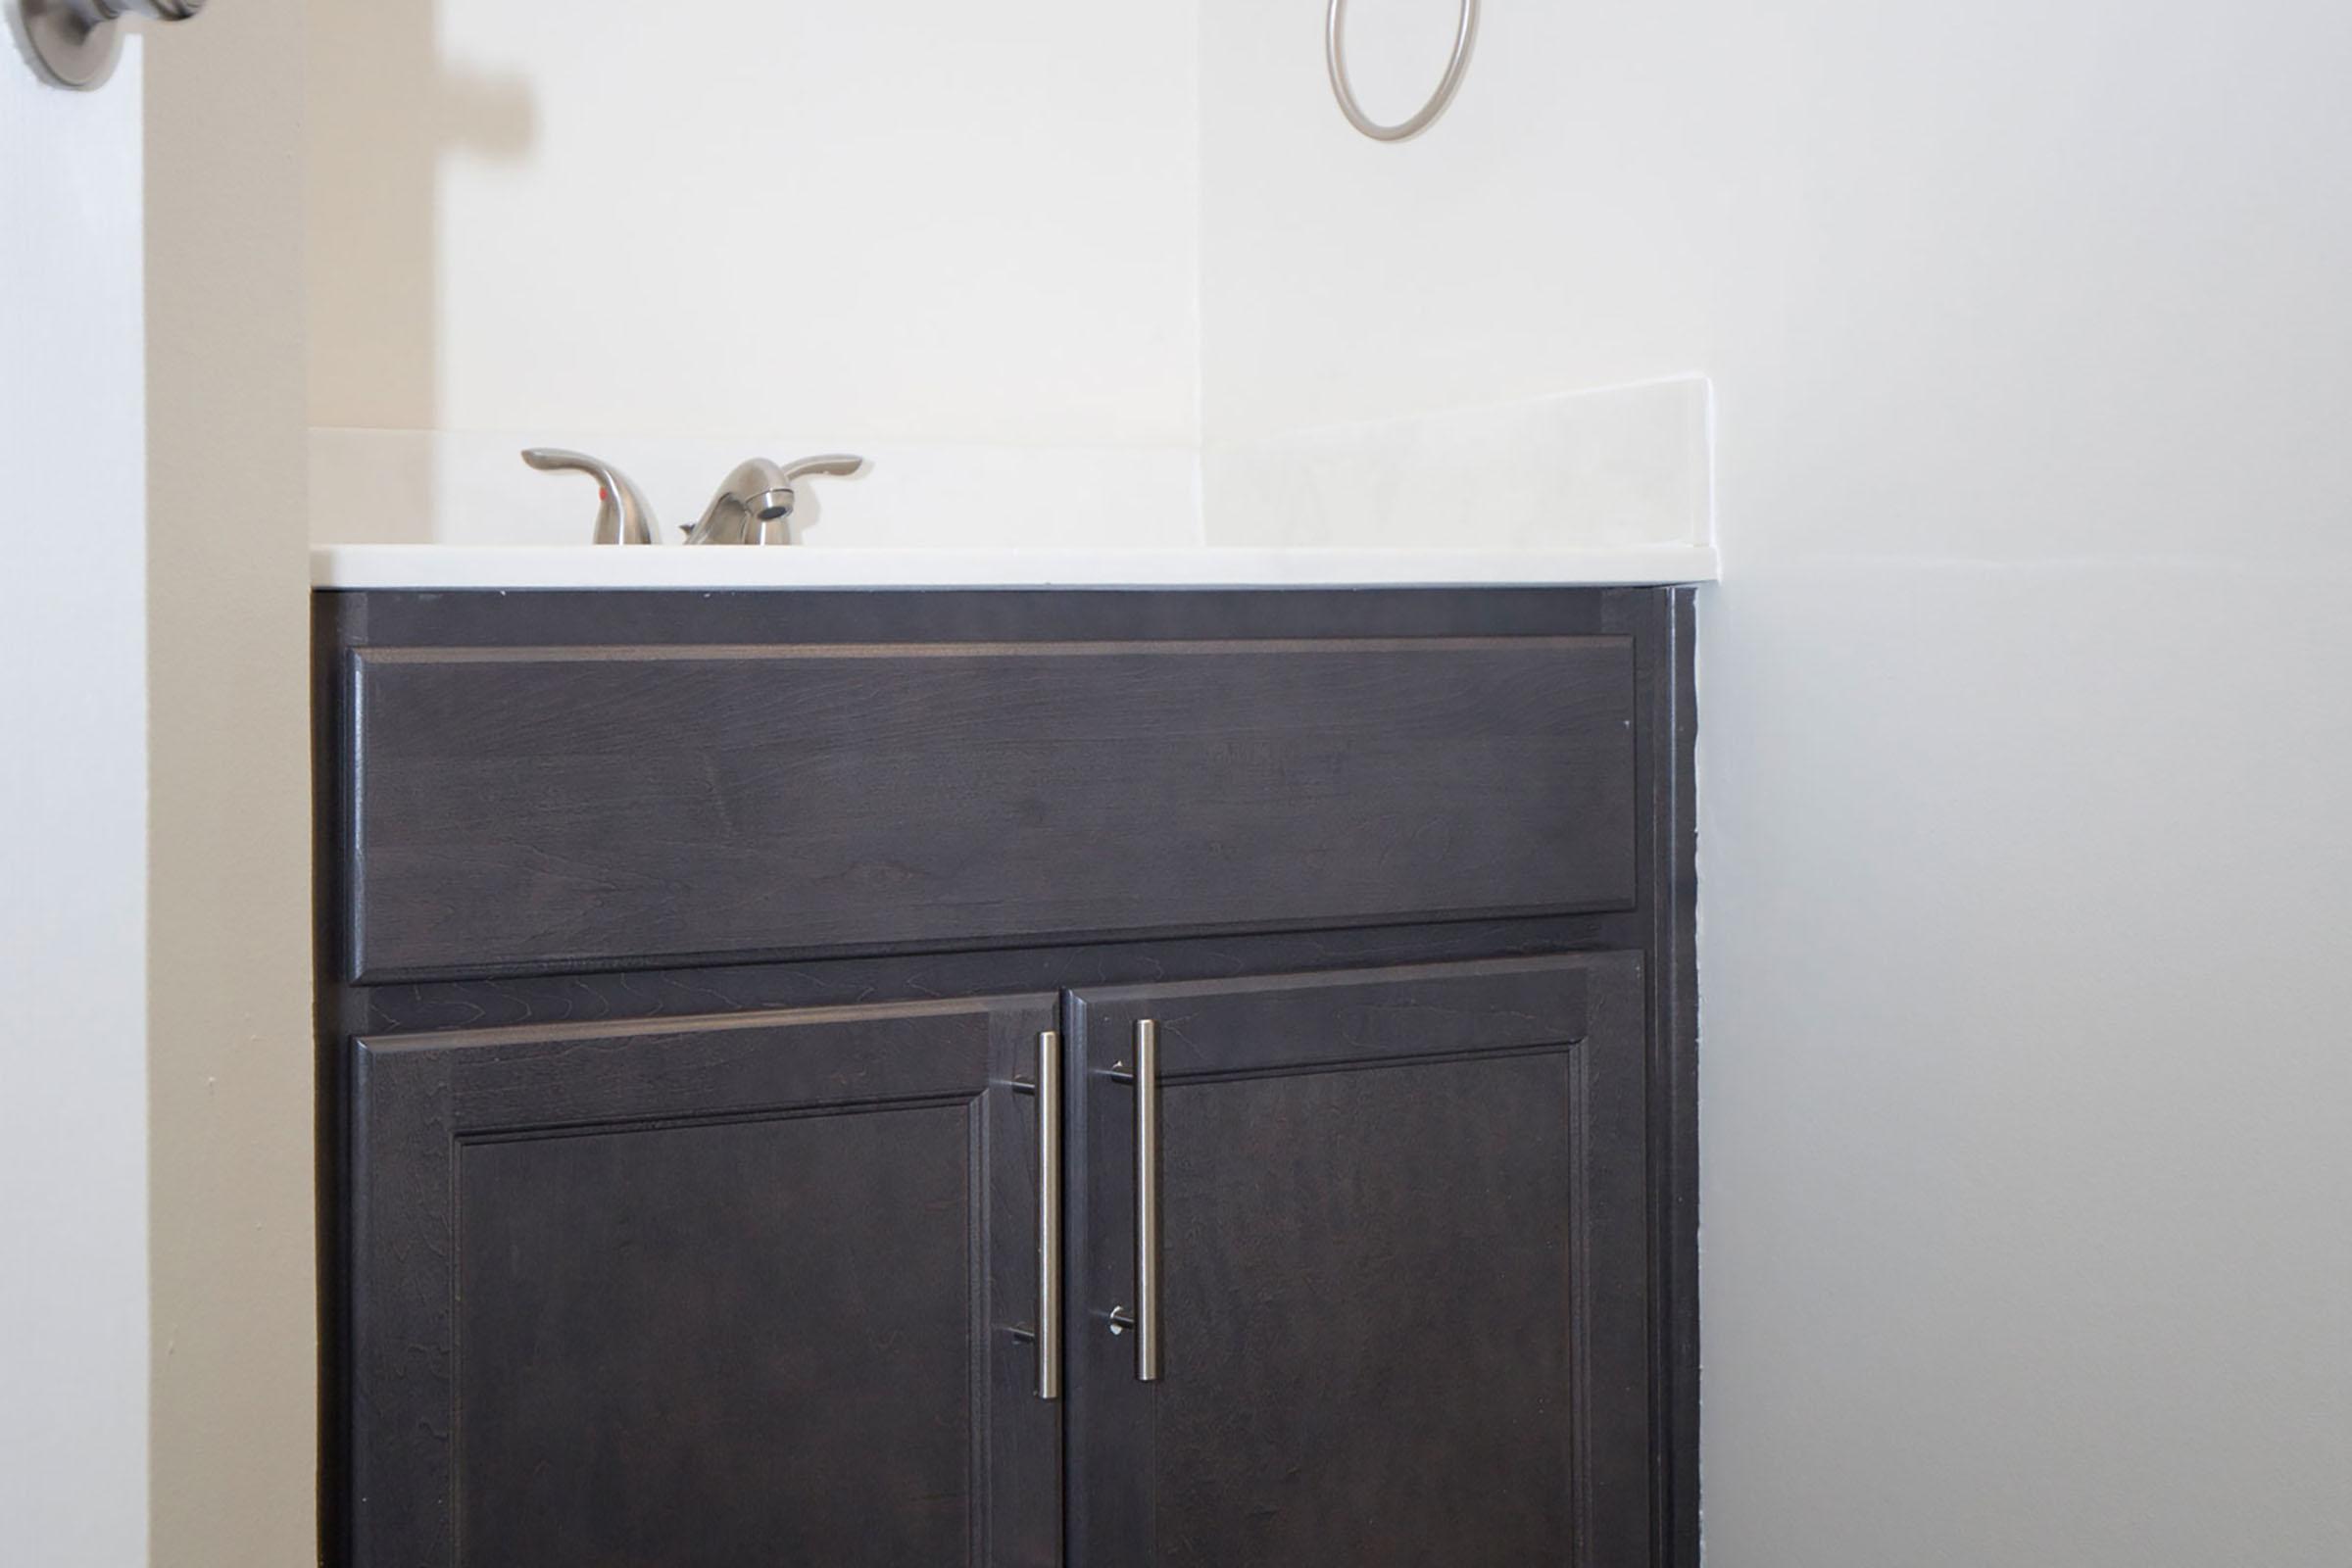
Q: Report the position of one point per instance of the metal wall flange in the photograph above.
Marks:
(1335, 56)
(74, 43)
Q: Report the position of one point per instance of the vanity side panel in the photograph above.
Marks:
(1664, 623)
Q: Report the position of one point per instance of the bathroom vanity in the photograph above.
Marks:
(1101, 1075)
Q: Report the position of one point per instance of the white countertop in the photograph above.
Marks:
(513, 566)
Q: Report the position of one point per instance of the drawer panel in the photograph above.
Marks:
(533, 809)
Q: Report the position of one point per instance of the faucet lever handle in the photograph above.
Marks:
(837, 465)
(624, 517)
(776, 526)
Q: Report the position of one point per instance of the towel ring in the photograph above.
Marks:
(1335, 54)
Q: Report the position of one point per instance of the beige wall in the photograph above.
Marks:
(959, 239)
(901, 220)
(2026, 875)
(233, 1447)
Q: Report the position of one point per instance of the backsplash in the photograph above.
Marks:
(1618, 466)
(1622, 465)
(471, 488)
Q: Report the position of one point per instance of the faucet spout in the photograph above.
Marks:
(755, 504)
(751, 498)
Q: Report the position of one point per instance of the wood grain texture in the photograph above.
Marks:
(700, 1347)
(1405, 1251)
(1396, 1391)
(730, 1290)
(523, 809)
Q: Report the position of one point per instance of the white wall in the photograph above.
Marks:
(74, 1315)
(2027, 876)
(1525, 246)
(923, 229)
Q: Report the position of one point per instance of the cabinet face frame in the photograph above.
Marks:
(420, 1102)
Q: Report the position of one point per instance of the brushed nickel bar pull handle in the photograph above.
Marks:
(1147, 1200)
(1048, 1215)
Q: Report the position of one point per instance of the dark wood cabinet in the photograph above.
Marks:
(691, 968)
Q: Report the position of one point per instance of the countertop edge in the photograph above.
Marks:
(522, 568)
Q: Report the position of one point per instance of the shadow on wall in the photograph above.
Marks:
(387, 113)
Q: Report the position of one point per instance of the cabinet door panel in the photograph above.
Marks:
(740, 1290)
(1402, 1268)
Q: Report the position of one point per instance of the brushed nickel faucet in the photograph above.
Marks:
(753, 505)
(755, 502)
(624, 517)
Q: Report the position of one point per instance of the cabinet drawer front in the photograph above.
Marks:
(523, 809)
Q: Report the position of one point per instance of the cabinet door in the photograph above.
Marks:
(702, 1294)
(1400, 1269)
